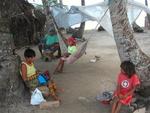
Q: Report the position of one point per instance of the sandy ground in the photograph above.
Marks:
(83, 80)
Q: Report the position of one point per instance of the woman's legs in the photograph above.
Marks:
(40, 46)
(59, 53)
(55, 47)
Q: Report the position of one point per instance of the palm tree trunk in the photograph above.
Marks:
(11, 86)
(82, 25)
(128, 48)
(61, 2)
(49, 22)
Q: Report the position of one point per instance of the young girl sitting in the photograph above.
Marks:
(71, 50)
(30, 74)
(28, 70)
(126, 85)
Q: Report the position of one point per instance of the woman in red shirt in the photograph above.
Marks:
(126, 85)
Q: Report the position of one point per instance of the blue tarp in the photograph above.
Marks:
(65, 17)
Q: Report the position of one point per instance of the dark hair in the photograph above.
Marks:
(29, 53)
(128, 67)
(74, 35)
(52, 32)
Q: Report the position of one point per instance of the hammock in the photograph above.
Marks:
(73, 57)
(80, 51)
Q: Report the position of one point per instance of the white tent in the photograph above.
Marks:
(65, 17)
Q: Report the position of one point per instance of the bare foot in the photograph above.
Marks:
(57, 71)
(54, 72)
(60, 71)
(60, 90)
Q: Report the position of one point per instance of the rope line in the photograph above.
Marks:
(98, 23)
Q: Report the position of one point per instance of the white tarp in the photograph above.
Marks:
(98, 12)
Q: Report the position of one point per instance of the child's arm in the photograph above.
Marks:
(118, 89)
(120, 96)
(24, 72)
(117, 92)
(130, 92)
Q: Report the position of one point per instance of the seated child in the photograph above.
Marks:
(126, 85)
(30, 74)
(71, 50)
(51, 43)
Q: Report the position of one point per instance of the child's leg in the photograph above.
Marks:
(57, 67)
(61, 66)
(118, 107)
(115, 104)
(114, 107)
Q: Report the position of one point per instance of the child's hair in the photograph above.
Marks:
(52, 32)
(29, 53)
(128, 67)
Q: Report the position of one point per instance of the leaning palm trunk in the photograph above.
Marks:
(127, 46)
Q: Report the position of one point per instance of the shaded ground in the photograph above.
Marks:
(83, 80)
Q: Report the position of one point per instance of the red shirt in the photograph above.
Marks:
(127, 84)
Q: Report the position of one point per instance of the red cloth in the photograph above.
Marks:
(127, 84)
(72, 39)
